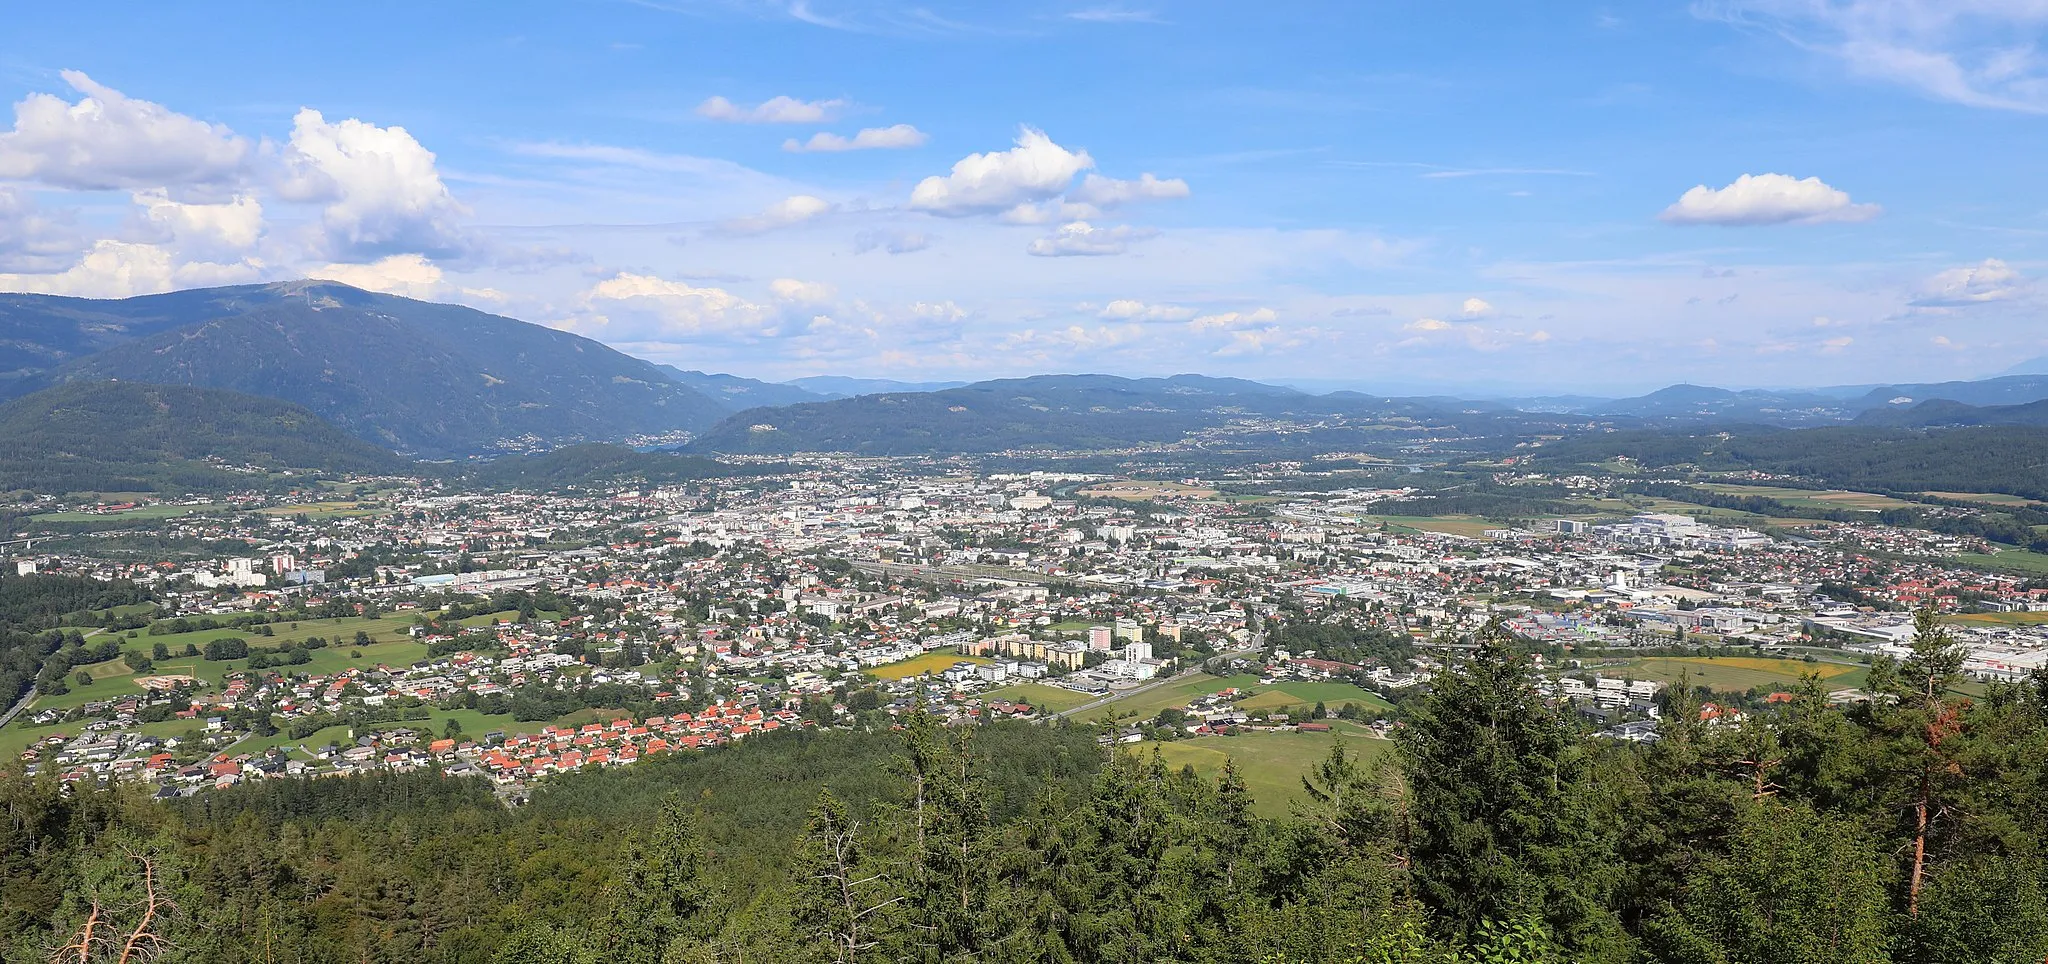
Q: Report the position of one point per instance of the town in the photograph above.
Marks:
(517, 636)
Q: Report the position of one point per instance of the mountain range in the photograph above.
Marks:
(429, 380)
(432, 381)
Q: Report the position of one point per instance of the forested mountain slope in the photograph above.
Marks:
(108, 436)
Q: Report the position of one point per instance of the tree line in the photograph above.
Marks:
(1496, 829)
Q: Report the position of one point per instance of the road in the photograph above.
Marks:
(1179, 677)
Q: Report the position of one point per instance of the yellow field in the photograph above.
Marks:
(1991, 498)
(1141, 489)
(1824, 498)
(919, 666)
(324, 510)
(1739, 673)
(2001, 619)
(1455, 525)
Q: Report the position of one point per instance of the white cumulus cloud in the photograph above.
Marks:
(1234, 319)
(774, 110)
(1081, 239)
(1476, 308)
(892, 242)
(1108, 192)
(406, 275)
(109, 141)
(894, 137)
(235, 224)
(791, 210)
(30, 240)
(637, 306)
(1033, 170)
(382, 192)
(123, 269)
(1977, 284)
(1130, 309)
(1755, 199)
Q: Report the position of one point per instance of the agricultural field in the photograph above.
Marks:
(1048, 699)
(333, 630)
(113, 679)
(508, 616)
(1812, 498)
(1139, 490)
(1455, 525)
(1999, 619)
(1988, 498)
(143, 513)
(1272, 763)
(2016, 560)
(1737, 674)
(327, 510)
(1304, 696)
(920, 665)
(1148, 704)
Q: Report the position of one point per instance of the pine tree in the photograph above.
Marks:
(1502, 819)
(842, 906)
(654, 902)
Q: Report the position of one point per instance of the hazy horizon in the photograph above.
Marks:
(1580, 197)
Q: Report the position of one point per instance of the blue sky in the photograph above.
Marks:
(1402, 196)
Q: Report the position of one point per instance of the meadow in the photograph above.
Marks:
(920, 665)
(1272, 763)
(1736, 674)
(1047, 699)
(1812, 498)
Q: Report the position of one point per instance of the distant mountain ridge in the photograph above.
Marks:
(432, 380)
(734, 393)
(126, 436)
(842, 386)
(1078, 412)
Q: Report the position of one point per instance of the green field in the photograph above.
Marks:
(113, 679)
(2017, 560)
(1272, 763)
(920, 665)
(1811, 498)
(1303, 696)
(1456, 525)
(1989, 498)
(326, 510)
(2000, 619)
(1149, 703)
(1738, 674)
(140, 514)
(1048, 699)
(508, 616)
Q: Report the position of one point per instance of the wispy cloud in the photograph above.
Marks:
(1981, 53)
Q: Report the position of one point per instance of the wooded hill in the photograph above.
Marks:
(129, 437)
(1905, 830)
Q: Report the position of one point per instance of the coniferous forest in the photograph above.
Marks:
(1906, 829)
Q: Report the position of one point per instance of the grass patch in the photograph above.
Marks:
(1272, 763)
(139, 513)
(508, 616)
(1455, 525)
(1304, 696)
(1811, 498)
(2001, 619)
(1047, 699)
(920, 665)
(1988, 498)
(2016, 560)
(326, 510)
(1736, 674)
(1149, 703)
